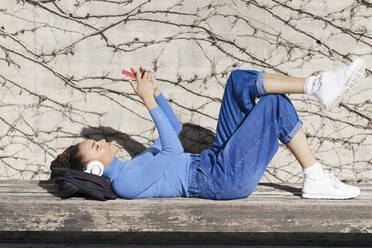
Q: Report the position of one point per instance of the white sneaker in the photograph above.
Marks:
(331, 87)
(328, 187)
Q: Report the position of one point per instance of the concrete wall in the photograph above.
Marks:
(60, 64)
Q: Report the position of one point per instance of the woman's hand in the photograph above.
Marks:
(154, 83)
(145, 88)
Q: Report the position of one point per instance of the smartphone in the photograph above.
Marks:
(128, 74)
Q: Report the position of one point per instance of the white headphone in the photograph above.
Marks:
(95, 167)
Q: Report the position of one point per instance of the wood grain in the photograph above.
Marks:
(32, 205)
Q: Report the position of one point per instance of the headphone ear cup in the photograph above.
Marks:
(95, 167)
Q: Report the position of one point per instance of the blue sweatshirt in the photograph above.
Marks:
(159, 171)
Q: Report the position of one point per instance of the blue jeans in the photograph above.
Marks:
(246, 139)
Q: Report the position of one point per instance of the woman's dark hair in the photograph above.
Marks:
(70, 159)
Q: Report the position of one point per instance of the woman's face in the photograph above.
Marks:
(97, 150)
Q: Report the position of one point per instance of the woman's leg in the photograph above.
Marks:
(243, 160)
(248, 133)
(281, 84)
(301, 149)
(328, 87)
(241, 90)
(249, 85)
(247, 139)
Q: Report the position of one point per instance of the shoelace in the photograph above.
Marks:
(317, 82)
(335, 180)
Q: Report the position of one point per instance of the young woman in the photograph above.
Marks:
(246, 140)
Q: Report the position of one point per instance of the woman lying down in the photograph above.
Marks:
(247, 138)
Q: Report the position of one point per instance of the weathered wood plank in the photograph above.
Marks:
(28, 206)
(185, 216)
(263, 191)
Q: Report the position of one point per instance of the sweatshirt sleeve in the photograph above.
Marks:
(168, 111)
(168, 137)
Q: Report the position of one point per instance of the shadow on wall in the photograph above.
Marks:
(194, 138)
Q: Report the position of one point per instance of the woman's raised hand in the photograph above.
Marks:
(144, 88)
(154, 83)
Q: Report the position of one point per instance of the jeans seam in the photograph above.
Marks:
(237, 186)
(193, 179)
(205, 188)
(256, 142)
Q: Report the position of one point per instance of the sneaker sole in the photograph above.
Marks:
(332, 197)
(356, 76)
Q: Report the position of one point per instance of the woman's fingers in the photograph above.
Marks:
(132, 69)
(142, 70)
(133, 86)
(142, 73)
(138, 76)
(148, 75)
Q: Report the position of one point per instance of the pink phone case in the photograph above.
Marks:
(129, 74)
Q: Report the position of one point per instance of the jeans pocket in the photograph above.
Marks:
(204, 173)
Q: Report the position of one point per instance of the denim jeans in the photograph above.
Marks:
(246, 139)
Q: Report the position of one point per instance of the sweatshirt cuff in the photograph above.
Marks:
(159, 96)
(154, 110)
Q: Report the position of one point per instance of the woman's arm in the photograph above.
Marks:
(145, 90)
(168, 137)
(165, 106)
(168, 140)
(168, 111)
(161, 102)
(150, 103)
(156, 92)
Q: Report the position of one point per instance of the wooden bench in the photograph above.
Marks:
(273, 214)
